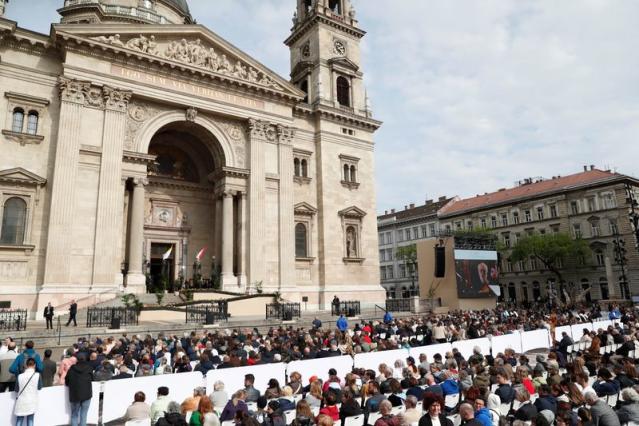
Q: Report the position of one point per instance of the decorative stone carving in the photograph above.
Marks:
(191, 114)
(116, 100)
(93, 97)
(139, 113)
(285, 134)
(194, 52)
(73, 90)
(237, 137)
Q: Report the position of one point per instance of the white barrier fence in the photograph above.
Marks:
(53, 406)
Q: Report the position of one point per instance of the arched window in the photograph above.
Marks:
(343, 91)
(353, 174)
(536, 291)
(347, 173)
(18, 120)
(14, 217)
(304, 88)
(301, 249)
(304, 167)
(296, 166)
(524, 291)
(512, 293)
(32, 123)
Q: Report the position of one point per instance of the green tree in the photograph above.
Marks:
(552, 250)
(409, 255)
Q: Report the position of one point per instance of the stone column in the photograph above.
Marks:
(242, 258)
(136, 279)
(228, 278)
(257, 201)
(62, 210)
(217, 239)
(610, 276)
(286, 209)
(107, 258)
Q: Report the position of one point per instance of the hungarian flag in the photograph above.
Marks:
(200, 254)
(166, 255)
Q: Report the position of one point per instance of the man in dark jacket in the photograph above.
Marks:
(73, 311)
(79, 380)
(504, 390)
(49, 368)
(252, 394)
(546, 400)
(48, 315)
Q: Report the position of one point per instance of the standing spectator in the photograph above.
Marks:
(342, 323)
(49, 368)
(48, 315)
(602, 413)
(159, 407)
(20, 362)
(66, 363)
(27, 386)
(139, 410)
(335, 303)
(73, 311)
(8, 379)
(388, 317)
(79, 380)
(434, 406)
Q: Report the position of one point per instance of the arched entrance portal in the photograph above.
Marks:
(192, 205)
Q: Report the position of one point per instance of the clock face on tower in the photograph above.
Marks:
(339, 47)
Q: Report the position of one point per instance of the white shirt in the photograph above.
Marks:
(435, 421)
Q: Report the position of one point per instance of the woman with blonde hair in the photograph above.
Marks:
(314, 396)
(303, 414)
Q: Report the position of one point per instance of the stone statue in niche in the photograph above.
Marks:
(351, 242)
(164, 216)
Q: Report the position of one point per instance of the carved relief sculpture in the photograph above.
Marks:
(194, 52)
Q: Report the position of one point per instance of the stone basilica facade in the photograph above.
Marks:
(132, 134)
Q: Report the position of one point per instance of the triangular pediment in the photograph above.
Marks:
(193, 48)
(344, 62)
(20, 175)
(352, 212)
(305, 209)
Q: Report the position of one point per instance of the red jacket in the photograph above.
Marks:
(332, 411)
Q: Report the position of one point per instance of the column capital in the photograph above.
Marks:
(73, 90)
(140, 181)
(116, 99)
(285, 134)
(260, 129)
(228, 193)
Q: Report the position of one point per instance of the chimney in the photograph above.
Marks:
(429, 202)
(592, 167)
(501, 189)
(385, 212)
(405, 207)
(412, 205)
(443, 198)
(585, 168)
(392, 211)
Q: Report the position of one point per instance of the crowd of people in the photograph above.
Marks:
(558, 388)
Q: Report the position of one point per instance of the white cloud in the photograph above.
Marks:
(473, 95)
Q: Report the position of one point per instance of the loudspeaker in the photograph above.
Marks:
(440, 262)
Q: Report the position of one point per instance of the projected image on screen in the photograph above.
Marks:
(477, 273)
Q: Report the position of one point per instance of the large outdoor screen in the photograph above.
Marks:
(477, 273)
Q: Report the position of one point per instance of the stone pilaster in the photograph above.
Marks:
(136, 279)
(257, 200)
(228, 278)
(61, 213)
(242, 235)
(110, 195)
(286, 209)
(217, 232)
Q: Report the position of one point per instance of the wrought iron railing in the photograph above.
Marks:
(349, 308)
(104, 317)
(13, 319)
(209, 313)
(399, 305)
(283, 311)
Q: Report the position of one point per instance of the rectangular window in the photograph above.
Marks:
(521, 265)
(382, 255)
(407, 237)
(389, 254)
(515, 218)
(400, 235)
(389, 272)
(591, 204)
(594, 227)
(576, 230)
(614, 230)
(533, 263)
(424, 231)
(555, 229)
(553, 211)
(470, 224)
(574, 207)
(540, 213)
(527, 216)
(448, 229)
(381, 239)
(458, 225)
(431, 229)
(507, 240)
(382, 272)
(416, 233)
(402, 271)
(389, 238)
(483, 223)
(493, 222)
(609, 201)
(509, 266)
(504, 219)
(542, 231)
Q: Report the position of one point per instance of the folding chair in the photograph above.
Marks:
(354, 420)
(289, 416)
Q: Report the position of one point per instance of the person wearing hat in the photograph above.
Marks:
(274, 416)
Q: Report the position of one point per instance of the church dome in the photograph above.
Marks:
(180, 5)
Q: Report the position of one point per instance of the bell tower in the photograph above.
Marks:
(325, 55)
(3, 6)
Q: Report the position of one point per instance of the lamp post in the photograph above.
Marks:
(620, 258)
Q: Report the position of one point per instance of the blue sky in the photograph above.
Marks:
(474, 95)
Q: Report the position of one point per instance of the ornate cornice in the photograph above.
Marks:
(84, 93)
(302, 29)
(337, 115)
(136, 157)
